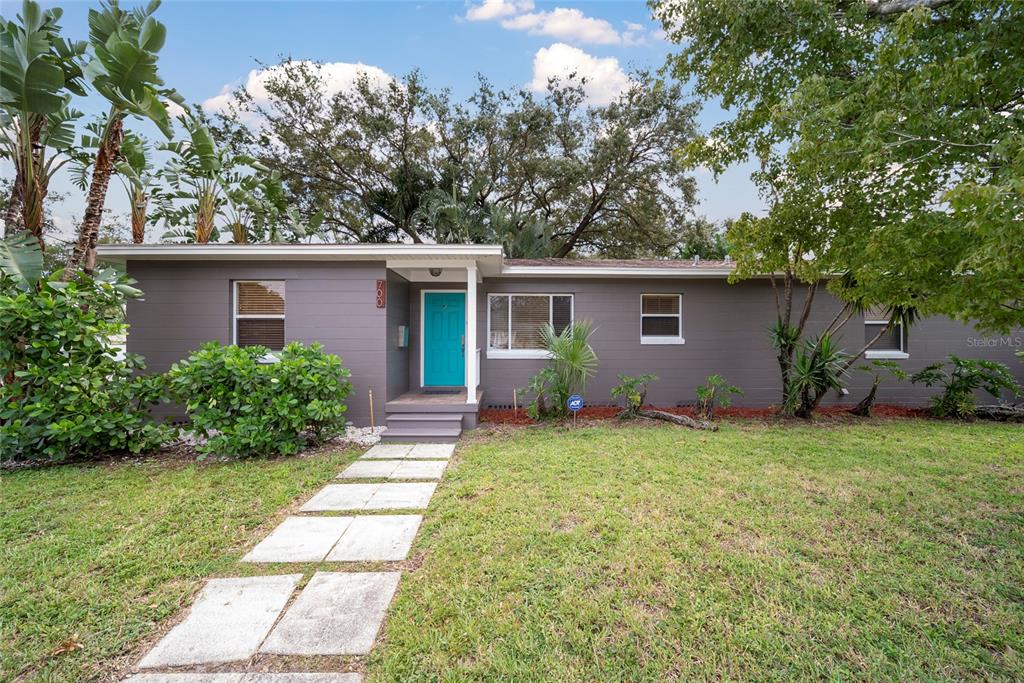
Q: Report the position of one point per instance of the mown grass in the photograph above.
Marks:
(878, 551)
(94, 557)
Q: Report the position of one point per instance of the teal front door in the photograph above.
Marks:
(444, 330)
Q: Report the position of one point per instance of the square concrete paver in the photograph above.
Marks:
(300, 539)
(394, 469)
(341, 497)
(370, 469)
(401, 497)
(247, 678)
(389, 450)
(432, 450)
(228, 621)
(336, 614)
(377, 538)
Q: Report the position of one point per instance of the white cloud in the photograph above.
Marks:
(603, 78)
(496, 9)
(565, 24)
(174, 110)
(337, 76)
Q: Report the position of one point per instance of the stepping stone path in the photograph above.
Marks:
(337, 612)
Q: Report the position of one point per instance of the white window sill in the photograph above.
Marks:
(512, 354)
(886, 355)
(661, 341)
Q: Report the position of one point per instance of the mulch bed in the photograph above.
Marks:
(519, 417)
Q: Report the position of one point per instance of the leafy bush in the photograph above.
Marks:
(65, 391)
(244, 406)
(571, 364)
(715, 388)
(634, 390)
(961, 381)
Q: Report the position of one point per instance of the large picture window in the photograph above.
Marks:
(259, 313)
(514, 322)
(661, 318)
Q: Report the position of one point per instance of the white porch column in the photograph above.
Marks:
(471, 378)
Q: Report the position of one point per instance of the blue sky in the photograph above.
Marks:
(211, 45)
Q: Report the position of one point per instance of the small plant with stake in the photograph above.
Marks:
(715, 388)
(634, 390)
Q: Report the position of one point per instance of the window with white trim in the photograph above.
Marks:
(661, 318)
(514, 322)
(259, 313)
(892, 343)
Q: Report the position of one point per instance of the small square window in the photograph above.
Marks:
(259, 313)
(661, 319)
(891, 344)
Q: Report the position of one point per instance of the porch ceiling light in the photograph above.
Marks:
(435, 272)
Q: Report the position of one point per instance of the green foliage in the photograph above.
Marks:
(888, 137)
(65, 392)
(21, 260)
(819, 367)
(246, 406)
(961, 380)
(715, 389)
(394, 160)
(876, 368)
(634, 390)
(572, 362)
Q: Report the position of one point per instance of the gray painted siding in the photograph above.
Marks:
(397, 314)
(189, 303)
(725, 331)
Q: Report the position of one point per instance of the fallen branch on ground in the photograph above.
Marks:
(1003, 413)
(675, 419)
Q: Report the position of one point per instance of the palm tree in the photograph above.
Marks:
(123, 69)
(38, 72)
(194, 174)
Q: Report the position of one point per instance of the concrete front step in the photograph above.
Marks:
(424, 421)
(421, 435)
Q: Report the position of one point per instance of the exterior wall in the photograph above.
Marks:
(189, 303)
(725, 328)
(398, 356)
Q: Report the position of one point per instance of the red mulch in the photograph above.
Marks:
(519, 417)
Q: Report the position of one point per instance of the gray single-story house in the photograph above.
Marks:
(435, 332)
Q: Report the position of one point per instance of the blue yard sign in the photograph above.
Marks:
(575, 402)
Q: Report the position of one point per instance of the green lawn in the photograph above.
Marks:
(99, 555)
(883, 551)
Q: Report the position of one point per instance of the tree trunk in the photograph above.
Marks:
(678, 419)
(863, 409)
(12, 215)
(1002, 413)
(139, 203)
(84, 253)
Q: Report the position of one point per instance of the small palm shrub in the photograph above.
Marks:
(959, 382)
(66, 391)
(818, 368)
(714, 390)
(634, 391)
(245, 406)
(877, 368)
(571, 363)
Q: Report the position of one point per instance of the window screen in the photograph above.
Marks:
(892, 340)
(259, 314)
(661, 316)
(516, 320)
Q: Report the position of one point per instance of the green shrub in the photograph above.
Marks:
(571, 363)
(715, 389)
(244, 406)
(961, 381)
(64, 391)
(634, 390)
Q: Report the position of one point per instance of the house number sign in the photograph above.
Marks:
(382, 293)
